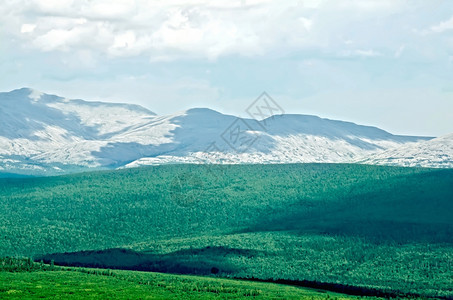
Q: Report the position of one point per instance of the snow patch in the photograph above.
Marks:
(435, 153)
(35, 95)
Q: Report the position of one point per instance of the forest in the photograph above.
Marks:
(373, 227)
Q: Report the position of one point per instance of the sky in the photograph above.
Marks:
(385, 63)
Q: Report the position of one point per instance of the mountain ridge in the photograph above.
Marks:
(48, 134)
(434, 153)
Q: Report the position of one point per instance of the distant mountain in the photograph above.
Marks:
(435, 153)
(46, 134)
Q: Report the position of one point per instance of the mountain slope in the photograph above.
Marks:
(435, 153)
(40, 132)
(47, 134)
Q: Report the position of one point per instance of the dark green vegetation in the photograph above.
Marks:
(21, 278)
(373, 227)
(12, 175)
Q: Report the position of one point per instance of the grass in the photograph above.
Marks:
(84, 283)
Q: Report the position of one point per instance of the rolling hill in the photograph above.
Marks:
(372, 227)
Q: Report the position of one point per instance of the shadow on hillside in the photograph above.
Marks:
(202, 261)
(117, 154)
(34, 116)
(402, 210)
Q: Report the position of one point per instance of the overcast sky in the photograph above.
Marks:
(387, 63)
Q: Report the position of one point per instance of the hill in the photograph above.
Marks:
(384, 228)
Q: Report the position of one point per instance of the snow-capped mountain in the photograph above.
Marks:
(47, 134)
(435, 153)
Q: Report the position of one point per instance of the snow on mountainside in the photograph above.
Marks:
(38, 131)
(280, 139)
(47, 134)
(435, 153)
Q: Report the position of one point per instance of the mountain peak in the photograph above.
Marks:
(26, 94)
(201, 110)
(22, 90)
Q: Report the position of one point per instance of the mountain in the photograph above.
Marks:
(40, 133)
(435, 153)
(46, 134)
(280, 139)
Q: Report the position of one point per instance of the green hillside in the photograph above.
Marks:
(374, 227)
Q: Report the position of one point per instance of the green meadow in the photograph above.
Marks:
(21, 278)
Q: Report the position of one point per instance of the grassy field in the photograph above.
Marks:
(80, 283)
(372, 227)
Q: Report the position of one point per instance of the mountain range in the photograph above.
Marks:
(42, 134)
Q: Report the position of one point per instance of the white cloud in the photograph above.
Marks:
(307, 23)
(367, 53)
(58, 39)
(443, 26)
(167, 30)
(27, 28)
(198, 28)
(124, 40)
(361, 53)
(399, 51)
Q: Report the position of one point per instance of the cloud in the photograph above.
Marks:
(361, 53)
(59, 39)
(443, 26)
(165, 31)
(27, 28)
(194, 28)
(399, 51)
